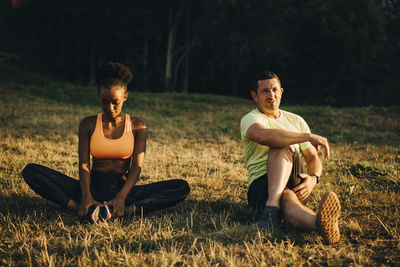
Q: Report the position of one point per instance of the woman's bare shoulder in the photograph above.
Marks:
(137, 123)
(88, 122)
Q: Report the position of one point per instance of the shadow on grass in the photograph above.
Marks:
(221, 221)
(36, 208)
(233, 223)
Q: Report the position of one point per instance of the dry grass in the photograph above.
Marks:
(196, 138)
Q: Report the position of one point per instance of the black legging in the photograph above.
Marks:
(59, 188)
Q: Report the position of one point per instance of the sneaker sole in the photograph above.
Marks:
(328, 217)
(109, 215)
(94, 216)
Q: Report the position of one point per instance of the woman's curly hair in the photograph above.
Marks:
(112, 73)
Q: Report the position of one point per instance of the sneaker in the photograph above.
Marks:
(270, 218)
(328, 218)
(93, 213)
(108, 211)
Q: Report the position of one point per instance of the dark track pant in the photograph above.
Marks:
(59, 188)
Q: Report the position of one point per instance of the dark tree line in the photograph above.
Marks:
(340, 52)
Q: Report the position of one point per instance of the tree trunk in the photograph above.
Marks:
(92, 61)
(186, 75)
(145, 60)
(100, 51)
(78, 68)
(170, 50)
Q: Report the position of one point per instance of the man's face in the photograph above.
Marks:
(268, 95)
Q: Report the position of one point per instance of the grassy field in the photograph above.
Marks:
(194, 137)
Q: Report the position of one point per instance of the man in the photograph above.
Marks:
(275, 143)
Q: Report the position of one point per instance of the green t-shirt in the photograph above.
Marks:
(256, 155)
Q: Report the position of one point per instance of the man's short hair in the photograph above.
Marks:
(265, 75)
(112, 73)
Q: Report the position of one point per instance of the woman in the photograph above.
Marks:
(117, 143)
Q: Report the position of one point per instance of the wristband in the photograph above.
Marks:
(316, 176)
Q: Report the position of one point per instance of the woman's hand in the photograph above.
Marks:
(118, 204)
(304, 189)
(84, 206)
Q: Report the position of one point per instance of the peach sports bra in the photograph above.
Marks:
(102, 147)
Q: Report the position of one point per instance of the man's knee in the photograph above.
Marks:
(288, 196)
(288, 199)
(286, 152)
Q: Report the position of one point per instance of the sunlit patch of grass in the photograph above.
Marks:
(196, 138)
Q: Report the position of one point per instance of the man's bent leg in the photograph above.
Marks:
(280, 163)
(300, 216)
(296, 213)
(279, 168)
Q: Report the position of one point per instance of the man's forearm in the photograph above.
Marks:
(280, 138)
(314, 167)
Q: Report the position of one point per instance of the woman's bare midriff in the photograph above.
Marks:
(111, 165)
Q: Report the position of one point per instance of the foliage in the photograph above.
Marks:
(332, 52)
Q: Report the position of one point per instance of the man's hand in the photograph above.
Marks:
(317, 140)
(304, 189)
(118, 204)
(84, 206)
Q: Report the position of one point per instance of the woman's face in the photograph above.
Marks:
(112, 99)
